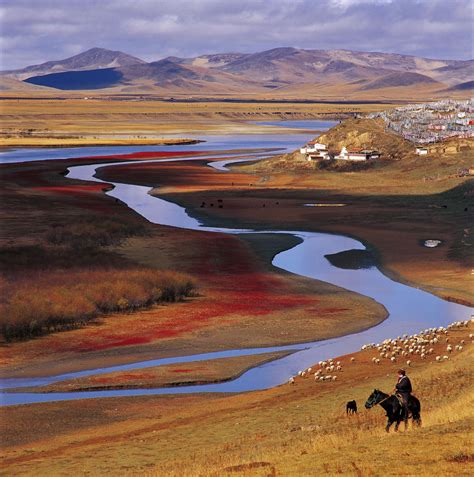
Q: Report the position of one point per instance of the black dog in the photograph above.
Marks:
(351, 407)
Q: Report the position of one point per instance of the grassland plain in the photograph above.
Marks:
(70, 121)
(290, 430)
(242, 299)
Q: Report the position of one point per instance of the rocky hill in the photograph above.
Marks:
(367, 134)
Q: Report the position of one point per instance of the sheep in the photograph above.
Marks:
(393, 359)
(321, 378)
(339, 368)
(377, 361)
(408, 363)
(352, 359)
(438, 358)
(449, 348)
(334, 378)
(291, 380)
(445, 357)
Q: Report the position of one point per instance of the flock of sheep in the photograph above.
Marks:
(420, 344)
(320, 374)
(396, 350)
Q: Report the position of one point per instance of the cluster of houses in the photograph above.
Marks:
(431, 122)
(314, 150)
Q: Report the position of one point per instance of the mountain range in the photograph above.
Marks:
(279, 72)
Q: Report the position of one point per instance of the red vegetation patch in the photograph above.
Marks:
(234, 287)
(184, 370)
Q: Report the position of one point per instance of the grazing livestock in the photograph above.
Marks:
(351, 407)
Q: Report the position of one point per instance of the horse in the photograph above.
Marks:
(394, 409)
(351, 407)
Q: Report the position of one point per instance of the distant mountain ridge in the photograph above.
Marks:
(94, 58)
(280, 70)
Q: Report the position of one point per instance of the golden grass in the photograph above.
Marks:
(329, 443)
(53, 301)
(50, 141)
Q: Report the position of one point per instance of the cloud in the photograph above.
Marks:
(34, 31)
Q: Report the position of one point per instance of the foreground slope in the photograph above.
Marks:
(299, 429)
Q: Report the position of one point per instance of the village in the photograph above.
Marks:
(422, 124)
(431, 122)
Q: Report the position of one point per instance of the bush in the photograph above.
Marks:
(48, 302)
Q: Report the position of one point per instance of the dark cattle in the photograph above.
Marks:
(351, 407)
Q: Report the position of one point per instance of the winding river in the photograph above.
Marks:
(409, 309)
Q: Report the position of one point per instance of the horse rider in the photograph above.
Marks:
(403, 390)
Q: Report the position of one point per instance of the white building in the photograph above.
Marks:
(357, 154)
(313, 147)
(421, 151)
(315, 150)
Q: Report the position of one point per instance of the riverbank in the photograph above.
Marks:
(171, 375)
(391, 209)
(300, 428)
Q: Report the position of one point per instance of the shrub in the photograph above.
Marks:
(48, 302)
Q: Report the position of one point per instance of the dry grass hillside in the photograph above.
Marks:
(366, 133)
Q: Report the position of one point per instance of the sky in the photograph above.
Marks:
(34, 31)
